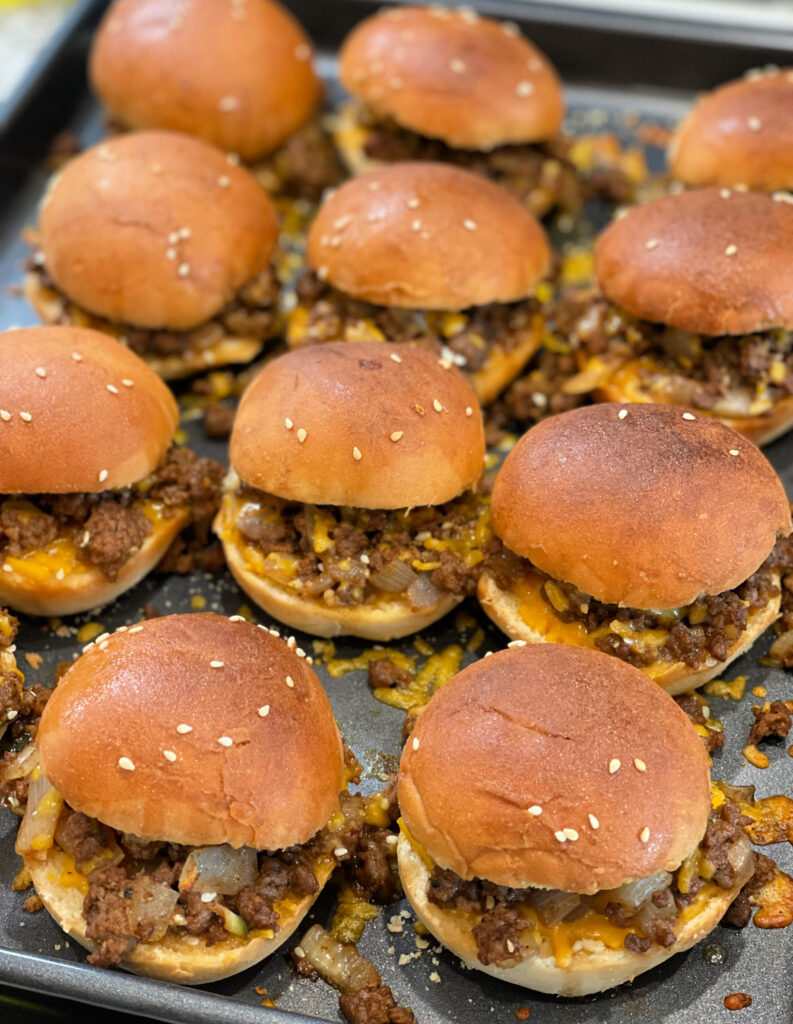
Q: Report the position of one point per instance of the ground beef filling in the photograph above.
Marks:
(252, 313)
(304, 166)
(466, 339)
(541, 175)
(349, 556)
(739, 375)
(705, 630)
(500, 931)
(108, 527)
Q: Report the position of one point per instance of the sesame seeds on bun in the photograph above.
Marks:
(427, 236)
(712, 261)
(239, 75)
(453, 75)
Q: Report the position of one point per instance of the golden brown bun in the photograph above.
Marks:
(355, 396)
(228, 349)
(739, 134)
(275, 785)
(238, 75)
(542, 726)
(111, 219)
(702, 262)
(454, 76)
(389, 619)
(675, 677)
(592, 968)
(123, 433)
(173, 959)
(648, 511)
(89, 587)
(376, 244)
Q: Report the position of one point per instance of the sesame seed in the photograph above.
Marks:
(415, 743)
(127, 382)
(169, 755)
(560, 836)
(155, 168)
(216, 664)
(622, 414)
(112, 389)
(341, 223)
(373, 186)
(227, 104)
(126, 764)
(516, 643)
(133, 629)
(173, 238)
(224, 181)
(25, 416)
(593, 821)
(457, 65)
(40, 371)
(651, 244)
(446, 364)
(395, 357)
(416, 225)
(183, 729)
(413, 204)
(322, 273)
(233, 159)
(290, 682)
(225, 741)
(103, 476)
(782, 197)
(436, 405)
(510, 946)
(469, 411)
(288, 423)
(340, 851)
(614, 765)
(264, 711)
(397, 435)
(7, 567)
(725, 193)
(469, 225)
(754, 124)
(535, 810)
(689, 416)
(356, 453)
(207, 897)
(183, 269)
(731, 250)
(644, 835)
(640, 765)
(301, 435)
(5, 415)
(571, 834)
(524, 89)
(734, 451)
(291, 643)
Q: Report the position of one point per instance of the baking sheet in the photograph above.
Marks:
(34, 953)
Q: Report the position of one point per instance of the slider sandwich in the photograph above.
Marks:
(646, 531)
(158, 240)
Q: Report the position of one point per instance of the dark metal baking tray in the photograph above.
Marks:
(616, 66)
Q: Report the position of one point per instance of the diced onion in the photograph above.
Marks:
(220, 869)
(22, 765)
(423, 593)
(741, 858)
(394, 578)
(740, 794)
(553, 905)
(337, 962)
(37, 831)
(633, 894)
(151, 907)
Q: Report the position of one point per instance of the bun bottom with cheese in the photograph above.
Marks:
(173, 958)
(88, 587)
(593, 967)
(224, 350)
(504, 608)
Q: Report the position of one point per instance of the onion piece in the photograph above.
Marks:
(394, 578)
(741, 858)
(553, 905)
(22, 765)
(423, 593)
(151, 907)
(337, 962)
(220, 869)
(37, 831)
(633, 894)
(740, 794)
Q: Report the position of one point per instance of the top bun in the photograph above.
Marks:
(181, 685)
(451, 75)
(532, 741)
(155, 229)
(651, 510)
(372, 433)
(427, 236)
(709, 261)
(237, 74)
(741, 133)
(103, 416)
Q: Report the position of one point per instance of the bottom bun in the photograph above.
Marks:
(593, 967)
(389, 619)
(173, 958)
(674, 676)
(226, 350)
(88, 587)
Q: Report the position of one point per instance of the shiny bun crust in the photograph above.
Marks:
(543, 726)
(238, 75)
(309, 414)
(155, 229)
(592, 967)
(647, 510)
(451, 75)
(704, 261)
(173, 959)
(87, 398)
(427, 236)
(273, 786)
(504, 608)
(739, 134)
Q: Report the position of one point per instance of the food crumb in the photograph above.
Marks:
(434, 976)
(737, 1001)
(32, 904)
(755, 757)
(523, 1013)
(759, 691)
(197, 602)
(34, 660)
